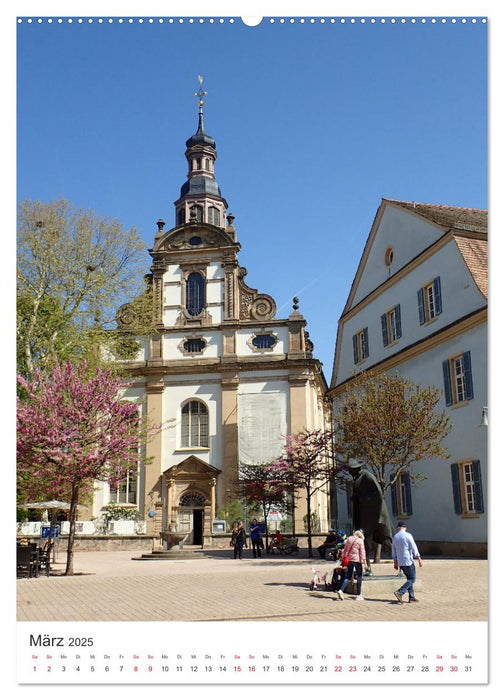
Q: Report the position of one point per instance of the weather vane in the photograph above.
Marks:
(201, 93)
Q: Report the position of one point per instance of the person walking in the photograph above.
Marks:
(404, 553)
(255, 538)
(355, 552)
(239, 540)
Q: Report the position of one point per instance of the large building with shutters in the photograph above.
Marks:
(418, 306)
(227, 377)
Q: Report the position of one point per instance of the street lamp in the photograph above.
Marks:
(484, 417)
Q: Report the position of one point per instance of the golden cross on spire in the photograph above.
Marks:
(201, 93)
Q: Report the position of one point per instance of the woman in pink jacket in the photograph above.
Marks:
(355, 552)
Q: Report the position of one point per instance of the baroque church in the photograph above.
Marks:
(226, 378)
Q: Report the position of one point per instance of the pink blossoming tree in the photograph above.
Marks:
(72, 430)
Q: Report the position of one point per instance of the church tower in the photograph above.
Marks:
(227, 378)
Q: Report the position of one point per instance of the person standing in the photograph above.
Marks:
(404, 553)
(255, 538)
(355, 552)
(238, 538)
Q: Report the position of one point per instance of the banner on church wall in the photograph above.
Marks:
(262, 426)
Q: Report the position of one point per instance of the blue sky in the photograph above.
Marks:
(314, 124)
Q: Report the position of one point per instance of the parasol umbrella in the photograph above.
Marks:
(52, 507)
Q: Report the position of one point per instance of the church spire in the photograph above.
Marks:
(200, 196)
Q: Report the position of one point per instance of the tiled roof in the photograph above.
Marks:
(446, 216)
(475, 253)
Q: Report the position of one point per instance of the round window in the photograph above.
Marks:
(389, 256)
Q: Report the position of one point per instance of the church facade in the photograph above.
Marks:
(226, 378)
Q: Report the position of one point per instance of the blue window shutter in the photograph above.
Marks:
(478, 489)
(407, 489)
(393, 496)
(421, 313)
(437, 296)
(447, 382)
(384, 329)
(355, 351)
(398, 321)
(366, 342)
(456, 488)
(468, 383)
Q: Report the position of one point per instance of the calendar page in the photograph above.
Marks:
(330, 127)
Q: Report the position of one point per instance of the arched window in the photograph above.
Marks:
(194, 425)
(180, 217)
(214, 216)
(195, 293)
(192, 499)
(126, 491)
(207, 163)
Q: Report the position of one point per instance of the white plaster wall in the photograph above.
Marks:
(434, 516)
(171, 342)
(459, 295)
(407, 234)
(173, 399)
(243, 335)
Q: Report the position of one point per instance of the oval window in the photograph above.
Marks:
(194, 345)
(389, 256)
(263, 342)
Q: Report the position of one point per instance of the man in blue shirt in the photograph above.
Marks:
(404, 553)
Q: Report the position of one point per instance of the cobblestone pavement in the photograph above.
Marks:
(114, 586)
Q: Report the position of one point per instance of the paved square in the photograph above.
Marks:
(114, 586)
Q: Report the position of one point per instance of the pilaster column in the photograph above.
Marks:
(170, 493)
(213, 509)
(153, 495)
(299, 420)
(227, 481)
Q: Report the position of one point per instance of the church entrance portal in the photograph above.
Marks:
(191, 517)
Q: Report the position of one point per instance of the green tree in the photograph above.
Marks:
(231, 512)
(309, 460)
(390, 423)
(74, 270)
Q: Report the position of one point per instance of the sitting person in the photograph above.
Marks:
(338, 574)
(276, 540)
(330, 542)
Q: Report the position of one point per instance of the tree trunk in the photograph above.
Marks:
(308, 515)
(71, 536)
(265, 512)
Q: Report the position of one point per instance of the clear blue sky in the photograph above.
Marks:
(314, 124)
